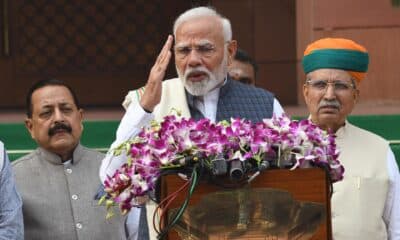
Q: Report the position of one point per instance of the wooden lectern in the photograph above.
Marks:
(306, 185)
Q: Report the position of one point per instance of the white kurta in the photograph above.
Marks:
(365, 205)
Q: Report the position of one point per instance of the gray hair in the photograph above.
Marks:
(204, 12)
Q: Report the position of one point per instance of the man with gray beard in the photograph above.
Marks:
(203, 50)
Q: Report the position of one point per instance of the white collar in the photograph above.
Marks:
(207, 104)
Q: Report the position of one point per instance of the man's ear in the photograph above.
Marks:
(356, 95)
(232, 47)
(29, 127)
(305, 92)
(81, 116)
(356, 92)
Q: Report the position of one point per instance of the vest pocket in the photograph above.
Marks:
(359, 202)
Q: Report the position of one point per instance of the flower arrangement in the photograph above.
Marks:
(170, 143)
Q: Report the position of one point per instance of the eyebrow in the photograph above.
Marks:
(200, 42)
(51, 105)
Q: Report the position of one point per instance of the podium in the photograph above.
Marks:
(306, 186)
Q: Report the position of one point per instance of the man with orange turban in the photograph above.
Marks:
(366, 204)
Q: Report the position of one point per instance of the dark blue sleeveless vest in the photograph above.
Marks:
(239, 100)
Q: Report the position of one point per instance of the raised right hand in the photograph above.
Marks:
(152, 93)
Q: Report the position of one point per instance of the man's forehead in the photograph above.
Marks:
(330, 73)
(52, 96)
(200, 27)
(239, 64)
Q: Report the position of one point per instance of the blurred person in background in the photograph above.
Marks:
(243, 68)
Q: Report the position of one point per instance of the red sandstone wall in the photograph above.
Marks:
(374, 24)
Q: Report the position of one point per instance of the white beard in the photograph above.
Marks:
(213, 80)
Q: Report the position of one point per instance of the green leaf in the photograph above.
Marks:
(109, 215)
(102, 199)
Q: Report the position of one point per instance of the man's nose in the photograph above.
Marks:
(194, 58)
(58, 115)
(330, 92)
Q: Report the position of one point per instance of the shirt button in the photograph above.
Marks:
(69, 170)
(78, 226)
(74, 197)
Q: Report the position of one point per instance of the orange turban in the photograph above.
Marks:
(338, 53)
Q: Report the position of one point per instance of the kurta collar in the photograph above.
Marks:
(227, 84)
(55, 159)
(341, 131)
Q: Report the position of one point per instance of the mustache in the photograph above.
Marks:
(330, 103)
(195, 70)
(59, 126)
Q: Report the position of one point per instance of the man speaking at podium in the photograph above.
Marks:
(366, 204)
(203, 50)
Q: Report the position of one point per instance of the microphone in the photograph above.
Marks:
(236, 172)
(219, 166)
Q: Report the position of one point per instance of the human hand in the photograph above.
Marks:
(152, 93)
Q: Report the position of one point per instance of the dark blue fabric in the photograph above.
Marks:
(143, 226)
(100, 192)
(239, 100)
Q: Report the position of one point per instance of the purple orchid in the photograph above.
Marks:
(167, 144)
